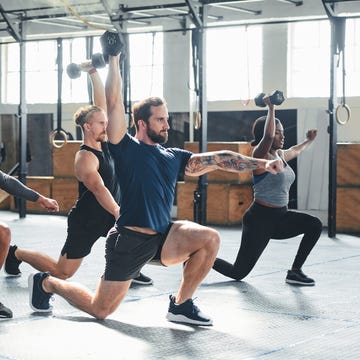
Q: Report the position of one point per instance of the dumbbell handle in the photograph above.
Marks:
(276, 97)
(85, 65)
(96, 61)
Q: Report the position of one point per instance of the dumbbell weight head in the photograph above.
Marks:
(277, 97)
(98, 61)
(112, 43)
(259, 100)
(73, 70)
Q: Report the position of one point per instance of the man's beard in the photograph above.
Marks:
(157, 138)
(102, 138)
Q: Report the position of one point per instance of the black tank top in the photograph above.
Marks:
(86, 203)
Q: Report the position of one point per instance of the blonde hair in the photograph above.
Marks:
(85, 113)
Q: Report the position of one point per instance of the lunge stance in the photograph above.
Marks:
(96, 208)
(14, 187)
(144, 231)
(268, 217)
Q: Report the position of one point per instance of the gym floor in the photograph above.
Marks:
(261, 317)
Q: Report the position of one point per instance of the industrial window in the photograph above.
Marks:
(41, 70)
(309, 59)
(234, 63)
(146, 65)
(74, 90)
(352, 57)
(41, 79)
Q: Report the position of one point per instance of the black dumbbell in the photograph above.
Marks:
(276, 98)
(112, 43)
(74, 70)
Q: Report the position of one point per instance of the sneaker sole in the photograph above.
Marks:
(12, 275)
(294, 282)
(181, 319)
(31, 286)
(142, 282)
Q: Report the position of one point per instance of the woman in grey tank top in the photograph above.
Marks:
(268, 217)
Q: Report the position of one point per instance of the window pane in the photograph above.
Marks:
(352, 58)
(41, 69)
(41, 56)
(12, 91)
(234, 66)
(41, 87)
(309, 59)
(146, 68)
(10, 86)
(74, 90)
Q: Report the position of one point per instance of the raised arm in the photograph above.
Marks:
(295, 150)
(98, 89)
(117, 126)
(264, 146)
(86, 171)
(230, 161)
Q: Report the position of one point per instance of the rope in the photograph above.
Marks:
(74, 13)
(343, 104)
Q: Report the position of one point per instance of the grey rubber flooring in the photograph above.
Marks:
(261, 317)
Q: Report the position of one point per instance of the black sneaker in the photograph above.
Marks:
(39, 299)
(5, 312)
(142, 280)
(187, 313)
(297, 277)
(12, 263)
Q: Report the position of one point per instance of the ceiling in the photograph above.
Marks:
(41, 19)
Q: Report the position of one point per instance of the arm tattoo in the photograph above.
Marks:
(197, 164)
(236, 162)
(225, 160)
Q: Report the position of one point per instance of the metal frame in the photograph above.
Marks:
(199, 20)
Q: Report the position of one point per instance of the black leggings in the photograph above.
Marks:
(262, 223)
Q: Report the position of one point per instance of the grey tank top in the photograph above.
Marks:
(274, 189)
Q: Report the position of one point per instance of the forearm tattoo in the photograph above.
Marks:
(223, 161)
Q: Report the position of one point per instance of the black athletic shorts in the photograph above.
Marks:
(83, 231)
(127, 251)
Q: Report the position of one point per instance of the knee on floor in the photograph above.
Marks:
(102, 312)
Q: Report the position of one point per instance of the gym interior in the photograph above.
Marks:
(209, 60)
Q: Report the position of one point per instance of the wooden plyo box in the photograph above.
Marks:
(348, 188)
(4, 200)
(348, 209)
(240, 198)
(241, 147)
(63, 158)
(226, 203)
(65, 192)
(348, 160)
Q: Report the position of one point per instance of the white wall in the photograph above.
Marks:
(177, 70)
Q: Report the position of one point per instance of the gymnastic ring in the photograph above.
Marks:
(53, 141)
(348, 112)
(197, 122)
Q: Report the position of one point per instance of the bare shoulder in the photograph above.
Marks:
(84, 158)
